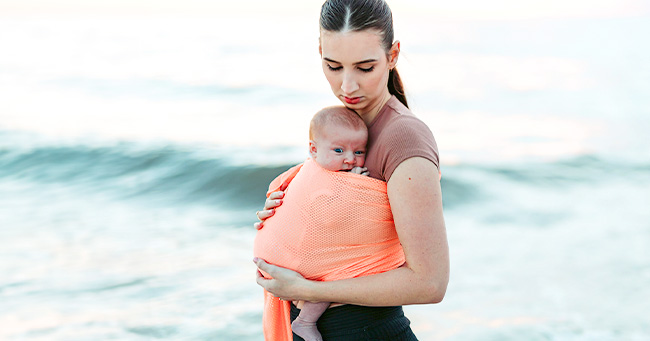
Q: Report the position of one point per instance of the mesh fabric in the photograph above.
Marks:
(330, 226)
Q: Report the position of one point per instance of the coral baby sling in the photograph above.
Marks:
(330, 226)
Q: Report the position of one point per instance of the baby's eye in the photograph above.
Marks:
(359, 152)
(338, 150)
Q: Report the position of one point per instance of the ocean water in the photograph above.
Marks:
(137, 141)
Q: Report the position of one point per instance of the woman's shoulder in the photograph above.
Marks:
(399, 115)
(401, 123)
(401, 136)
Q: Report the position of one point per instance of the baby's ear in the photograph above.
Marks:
(312, 149)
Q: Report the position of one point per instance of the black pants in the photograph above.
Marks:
(353, 322)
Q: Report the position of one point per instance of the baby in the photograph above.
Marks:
(337, 142)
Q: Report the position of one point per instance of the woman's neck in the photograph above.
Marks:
(370, 115)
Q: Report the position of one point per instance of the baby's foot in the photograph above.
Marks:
(306, 330)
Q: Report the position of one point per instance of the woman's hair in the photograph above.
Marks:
(336, 116)
(359, 15)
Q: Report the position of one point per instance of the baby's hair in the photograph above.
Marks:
(336, 115)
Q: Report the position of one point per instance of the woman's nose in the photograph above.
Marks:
(349, 84)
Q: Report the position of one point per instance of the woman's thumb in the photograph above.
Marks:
(261, 264)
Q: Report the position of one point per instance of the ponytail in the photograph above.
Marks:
(395, 86)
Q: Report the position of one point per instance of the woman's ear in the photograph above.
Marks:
(312, 149)
(393, 54)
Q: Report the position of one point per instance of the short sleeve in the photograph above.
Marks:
(406, 137)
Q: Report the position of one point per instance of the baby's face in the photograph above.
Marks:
(340, 148)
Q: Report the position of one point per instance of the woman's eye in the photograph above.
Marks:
(368, 69)
(334, 68)
(338, 150)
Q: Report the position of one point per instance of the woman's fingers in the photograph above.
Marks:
(280, 282)
(259, 278)
(263, 266)
(277, 195)
(265, 214)
(270, 203)
(274, 200)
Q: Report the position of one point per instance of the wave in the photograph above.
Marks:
(581, 169)
(182, 175)
(166, 174)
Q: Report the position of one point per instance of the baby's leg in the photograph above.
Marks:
(305, 324)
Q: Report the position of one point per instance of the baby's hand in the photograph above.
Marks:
(360, 170)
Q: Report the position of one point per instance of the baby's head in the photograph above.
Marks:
(337, 139)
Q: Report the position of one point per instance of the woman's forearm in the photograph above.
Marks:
(400, 286)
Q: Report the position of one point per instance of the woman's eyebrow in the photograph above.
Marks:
(357, 63)
(365, 61)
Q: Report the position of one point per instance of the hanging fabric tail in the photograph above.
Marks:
(276, 319)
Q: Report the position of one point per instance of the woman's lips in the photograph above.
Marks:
(353, 100)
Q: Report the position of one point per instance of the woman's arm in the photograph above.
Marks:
(416, 202)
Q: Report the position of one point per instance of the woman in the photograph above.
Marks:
(359, 57)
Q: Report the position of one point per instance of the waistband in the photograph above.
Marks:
(353, 322)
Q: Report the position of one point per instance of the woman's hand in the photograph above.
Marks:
(274, 200)
(284, 283)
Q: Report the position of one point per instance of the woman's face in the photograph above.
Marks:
(357, 68)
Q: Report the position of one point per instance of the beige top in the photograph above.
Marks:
(394, 136)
